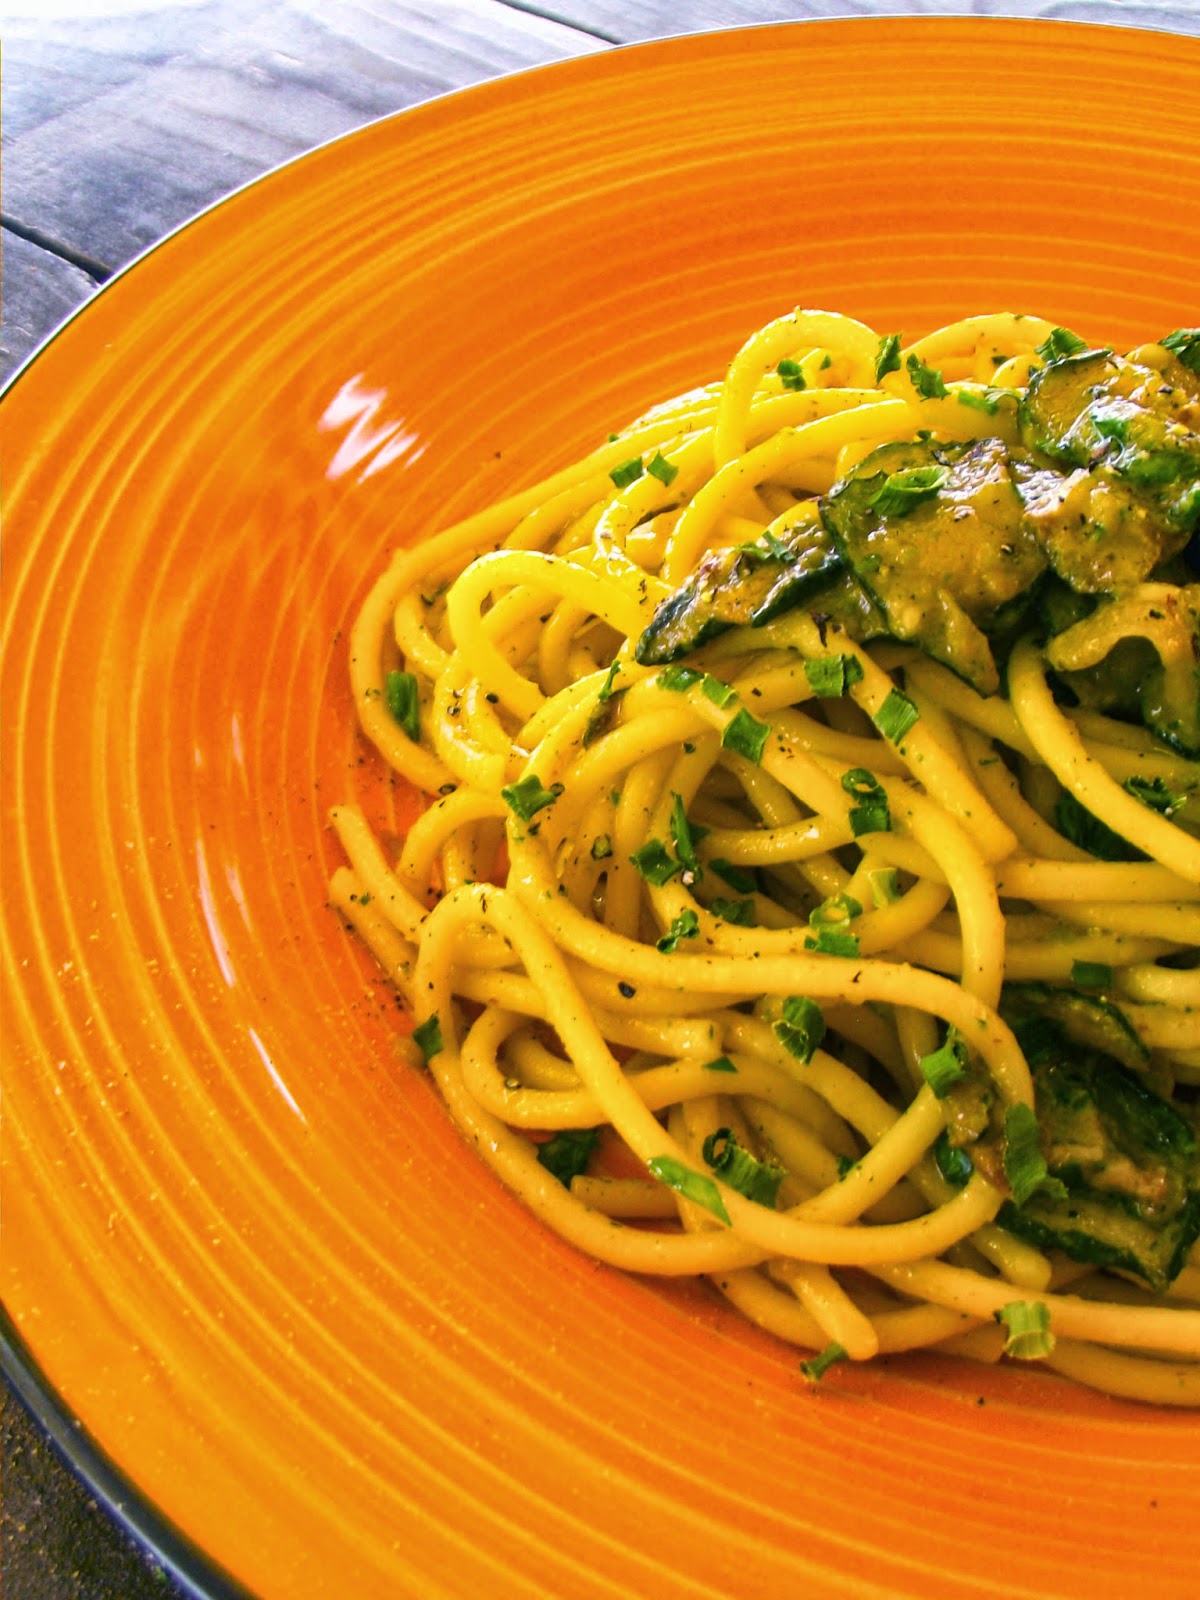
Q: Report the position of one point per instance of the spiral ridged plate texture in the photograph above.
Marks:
(241, 1239)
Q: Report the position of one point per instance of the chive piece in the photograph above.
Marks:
(606, 688)
(685, 926)
(827, 942)
(830, 676)
(529, 795)
(677, 679)
(903, 491)
(400, 693)
(659, 467)
(1091, 975)
(817, 1366)
(567, 1154)
(1027, 1324)
(655, 862)
(791, 374)
(1153, 792)
(954, 1164)
(887, 357)
(684, 837)
(691, 1185)
(746, 735)
(927, 381)
(943, 1068)
(872, 813)
(719, 1064)
(627, 472)
(755, 1180)
(896, 716)
(885, 884)
(713, 689)
(742, 879)
(602, 847)
(1184, 343)
(1060, 343)
(801, 1026)
(739, 912)
(428, 1037)
(1024, 1164)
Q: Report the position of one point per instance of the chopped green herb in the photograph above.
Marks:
(1024, 1164)
(927, 381)
(602, 847)
(817, 1366)
(746, 735)
(655, 862)
(903, 491)
(627, 472)
(885, 884)
(826, 942)
(872, 813)
(685, 926)
(986, 400)
(896, 716)
(791, 374)
(713, 689)
(829, 677)
(945, 1067)
(1027, 1324)
(428, 1037)
(1184, 343)
(529, 795)
(801, 1026)
(740, 912)
(887, 357)
(835, 912)
(567, 1154)
(400, 693)
(756, 1180)
(1060, 343)
(742, 879)
(1153, 792)
(1091, 975)
(954, 1164)
(659, 467)
(677, 679)
(691, 1185)
(606, 688)
(720, 1064)
(684, 837)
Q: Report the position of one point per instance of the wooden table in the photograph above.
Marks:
(121, 121)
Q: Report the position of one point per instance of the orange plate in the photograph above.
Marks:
(242, 1242)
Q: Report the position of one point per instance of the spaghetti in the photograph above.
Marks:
(808, 895)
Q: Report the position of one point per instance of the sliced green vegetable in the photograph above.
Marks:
(428, 1037)
(896, 716)
(945, 1067)
(756, 1180)
(566, 1155)
(685, 926)
(815, 1368)
(1027, 1324)
(659, 467)
(871, 814)
(400, 696)
(626, 472)
(829, 677)
(655, 862)
(746, 735)
(693, 1186)
(801, 1026)
(529, 795)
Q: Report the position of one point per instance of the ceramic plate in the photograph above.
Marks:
(243, 1246)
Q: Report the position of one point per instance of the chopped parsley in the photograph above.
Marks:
(1027, 1324)
(756, 1180)
(927, 381)
(567, 1154)
(896, 716)
(400, 696)
(829, 677)
(791, 374)
(887, 357)
(693, 1186)
(428, 1037)
(684, 837)
(801, 1026)
(685, 926)
(817, 1366)
(1060, 343)
(1184, 344)
(945, 1067)
(986, 400)
(529, 795)
(903, 491)
(746, 735)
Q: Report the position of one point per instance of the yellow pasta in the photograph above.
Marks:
(807, 895)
